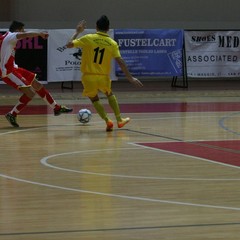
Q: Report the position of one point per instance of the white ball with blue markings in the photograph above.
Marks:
(84, 115)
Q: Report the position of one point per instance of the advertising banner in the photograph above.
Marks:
(64, 64)
(153, 52)
(31, 54)
(212, 53)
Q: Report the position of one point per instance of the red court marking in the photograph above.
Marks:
(140, 107)
(219, 151)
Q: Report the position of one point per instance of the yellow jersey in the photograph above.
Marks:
(98, 50)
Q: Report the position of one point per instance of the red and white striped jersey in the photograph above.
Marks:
(8, 43)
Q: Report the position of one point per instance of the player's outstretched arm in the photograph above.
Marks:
(128, 75)
(22, 35)
(80, 28)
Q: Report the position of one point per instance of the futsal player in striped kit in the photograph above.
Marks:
(20, 78)
(98, 50)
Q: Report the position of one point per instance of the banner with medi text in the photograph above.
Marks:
(212, 53)
(154, 52)
(31, 54)
(64, 64)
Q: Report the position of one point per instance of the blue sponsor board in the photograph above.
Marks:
(153, 52)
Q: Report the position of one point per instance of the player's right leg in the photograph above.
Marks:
(14, 80)
(22, 102)
(90, 90)
(102, 113)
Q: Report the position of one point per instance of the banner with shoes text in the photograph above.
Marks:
(212, 53)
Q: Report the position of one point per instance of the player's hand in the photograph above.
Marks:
(81, 26)
(136, 82)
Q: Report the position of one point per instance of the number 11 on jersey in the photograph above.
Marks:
(98, 59)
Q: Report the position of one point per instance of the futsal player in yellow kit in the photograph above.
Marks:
(98, 50)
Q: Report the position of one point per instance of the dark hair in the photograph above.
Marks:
(15, 25)
(103, 23)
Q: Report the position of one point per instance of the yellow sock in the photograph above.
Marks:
(112, 100)
(100, 110)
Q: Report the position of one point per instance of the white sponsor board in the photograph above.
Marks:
(63, 63)
(212, 53)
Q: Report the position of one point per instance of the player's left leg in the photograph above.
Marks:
(105, 87)
(112, 100)
(46, 96)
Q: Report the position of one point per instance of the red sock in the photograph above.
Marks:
(45, 95)
(22, 102)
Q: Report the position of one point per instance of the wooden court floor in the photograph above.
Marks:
(171, 173)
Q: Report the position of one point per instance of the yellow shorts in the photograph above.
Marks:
(92, 84)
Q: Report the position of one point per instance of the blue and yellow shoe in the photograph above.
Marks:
(61, 110)
(12, 119)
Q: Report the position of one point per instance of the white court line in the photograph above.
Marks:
(108, 194)
(120, 196)
(44, 161)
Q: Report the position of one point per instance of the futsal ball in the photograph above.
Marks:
(84, 115)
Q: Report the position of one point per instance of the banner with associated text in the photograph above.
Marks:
(212, 53)
(31, 54)
(64, 64)
(154, 52)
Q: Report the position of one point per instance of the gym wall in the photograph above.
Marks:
(184, 14)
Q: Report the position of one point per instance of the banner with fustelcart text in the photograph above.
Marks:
(211, 54)
(148, 53)
(152, 52)
(63, 63)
